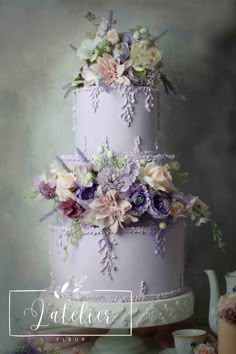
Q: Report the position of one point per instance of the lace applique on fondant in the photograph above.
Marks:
(143, 288)
(149, 98)
(137, 145)
(128, 93)
(106, 249)
(94, 95)
(74, 290)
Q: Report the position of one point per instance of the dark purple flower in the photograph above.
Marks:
(86, 193)
(72, 209)
(139, 199)
(47, 191)
(229, 313)
(121, 52)
(159, 206)
(127, 38)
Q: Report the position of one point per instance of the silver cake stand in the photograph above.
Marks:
(123, 318)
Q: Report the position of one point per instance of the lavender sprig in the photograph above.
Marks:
(74, 48)
(49, 214)
(64, 165)
(160, 35)
(81, 155)
(110, 20)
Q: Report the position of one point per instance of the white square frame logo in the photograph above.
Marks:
(72, 335)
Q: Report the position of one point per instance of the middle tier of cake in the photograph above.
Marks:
(124, 264)
(124, 116)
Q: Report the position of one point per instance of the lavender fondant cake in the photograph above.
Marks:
(121, 218)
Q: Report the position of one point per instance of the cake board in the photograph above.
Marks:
(119, 338)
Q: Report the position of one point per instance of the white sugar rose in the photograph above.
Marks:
(112, 36)
(157, 177)
(64, 184)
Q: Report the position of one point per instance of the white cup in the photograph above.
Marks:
(187, 339)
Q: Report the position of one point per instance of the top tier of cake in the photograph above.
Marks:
(125, 117)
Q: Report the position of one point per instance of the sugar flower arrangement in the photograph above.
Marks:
(110, 57)
(110, 192)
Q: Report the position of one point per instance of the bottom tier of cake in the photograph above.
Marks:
(134, 263)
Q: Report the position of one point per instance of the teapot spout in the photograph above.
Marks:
(214, 299)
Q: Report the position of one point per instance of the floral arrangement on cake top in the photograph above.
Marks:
(110, 57)
(110, 191)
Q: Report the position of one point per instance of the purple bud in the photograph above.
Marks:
(127, 38)
(121, 52)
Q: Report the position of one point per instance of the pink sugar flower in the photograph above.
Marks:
(108, 210)
(110, 71)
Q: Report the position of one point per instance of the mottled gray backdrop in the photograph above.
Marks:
(35, 122)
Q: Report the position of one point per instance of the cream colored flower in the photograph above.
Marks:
(157, 177)
(64, 185)
(144, 56)
(112, 36)
(87, 49)
(177, 209)
(108, 210)
(83, 176)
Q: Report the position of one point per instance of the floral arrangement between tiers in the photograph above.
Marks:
(110, 191)
(113, 58)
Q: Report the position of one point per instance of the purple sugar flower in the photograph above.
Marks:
(127, 38)
(121, 52)
(47, 191)
(159, 206)
(86, 193)
(139, 199)
(118, 179)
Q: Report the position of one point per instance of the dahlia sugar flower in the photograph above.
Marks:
(157, 177)
(144, 56)
(109, 211)
(110, 71)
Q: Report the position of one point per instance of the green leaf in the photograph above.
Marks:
(179, 177)
(90, 35)
(136, 28)
(141, 74)
(217, 235)
(90, 16)
(32, 194)
(73, 236)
